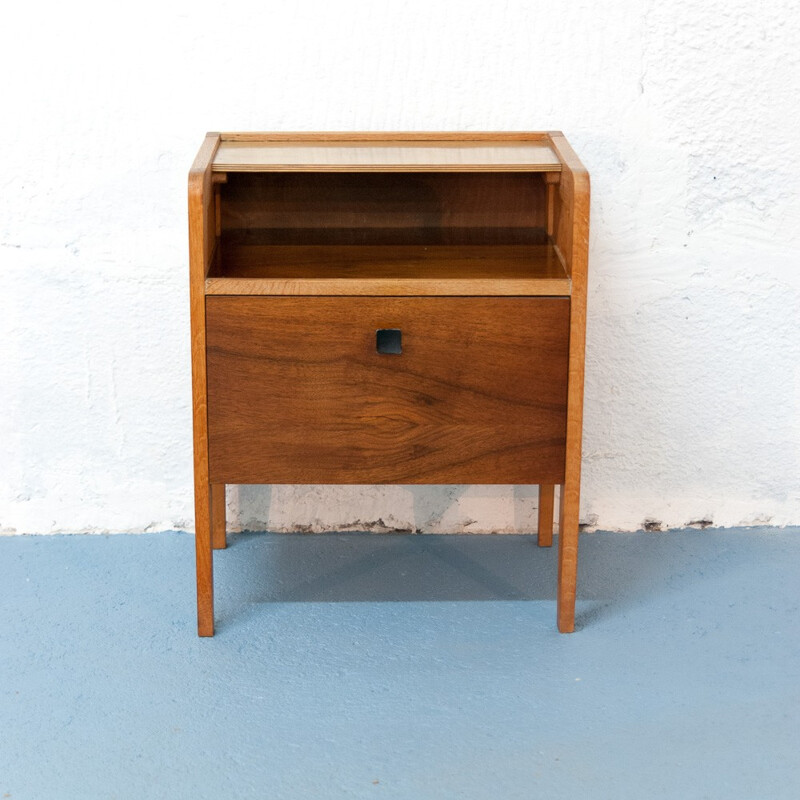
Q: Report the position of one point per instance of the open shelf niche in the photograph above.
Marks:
(458, 226)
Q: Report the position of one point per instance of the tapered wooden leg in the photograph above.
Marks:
(218, 539)
(568, 555)
(546, 501)
(204, 560)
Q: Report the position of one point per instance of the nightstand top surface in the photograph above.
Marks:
(386, 155)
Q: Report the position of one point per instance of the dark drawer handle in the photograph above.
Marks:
(389, 341)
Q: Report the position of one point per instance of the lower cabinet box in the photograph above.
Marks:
(298, 392)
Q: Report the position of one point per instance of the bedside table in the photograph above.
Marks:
(388, 308)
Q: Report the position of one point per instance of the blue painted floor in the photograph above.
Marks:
(401, 666)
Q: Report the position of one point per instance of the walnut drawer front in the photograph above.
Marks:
(298, 393)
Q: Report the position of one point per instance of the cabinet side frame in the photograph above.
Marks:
(202, 240)
(572, 242)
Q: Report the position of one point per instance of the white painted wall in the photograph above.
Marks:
(685, 113)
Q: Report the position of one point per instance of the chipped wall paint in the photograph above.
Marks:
(684, 113)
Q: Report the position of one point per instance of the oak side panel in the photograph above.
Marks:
(201, 246)
(298, 393)
(572, 239)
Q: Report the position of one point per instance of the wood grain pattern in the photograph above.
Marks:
(573, 243)
(385, 208)
(201, 247)
(385, 156)
(298, 394)
(387, 270)
(546, 504)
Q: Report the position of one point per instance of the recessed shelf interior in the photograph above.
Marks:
(385, 233)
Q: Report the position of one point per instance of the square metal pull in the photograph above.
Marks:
(389, 340)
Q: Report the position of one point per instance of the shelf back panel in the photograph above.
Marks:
(383, 208)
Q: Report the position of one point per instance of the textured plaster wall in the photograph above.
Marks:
(685, 113)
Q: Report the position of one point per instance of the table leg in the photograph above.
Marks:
(218, 539)
(568, 555)
(546, 503)
(204, 559)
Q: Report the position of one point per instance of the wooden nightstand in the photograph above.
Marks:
(388, 308)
